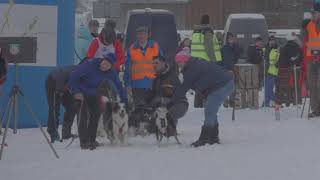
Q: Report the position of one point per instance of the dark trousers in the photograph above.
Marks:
(69, 114)
(89, 117)
(314, 85)
(139, 96)
(177, 111)
(54, 107)
(54, 101)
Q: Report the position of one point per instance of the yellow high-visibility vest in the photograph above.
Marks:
(198, 48)
(273, 60)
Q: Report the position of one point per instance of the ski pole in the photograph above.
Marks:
(296, 87)
(304, 104)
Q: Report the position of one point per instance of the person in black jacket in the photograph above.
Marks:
(255, 52)
(213, 82)
(58, 94)
(163, 88)
(230, 56)
(290, 57)
(291, 54)
(255, 56)
(230, 53)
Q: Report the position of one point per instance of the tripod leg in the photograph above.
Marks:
(4, 114)
(233, 114)
(15, 112)
(7, 126)
(40, 126)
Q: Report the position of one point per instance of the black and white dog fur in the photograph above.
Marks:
(113, 122)
(161, 123)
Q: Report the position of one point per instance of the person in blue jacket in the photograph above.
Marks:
(84, 38)
(84, 86)
(213, 82)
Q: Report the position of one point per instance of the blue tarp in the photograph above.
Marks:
(32, 78)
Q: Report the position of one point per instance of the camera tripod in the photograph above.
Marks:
(12, 108)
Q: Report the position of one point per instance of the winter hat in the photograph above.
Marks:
(144, 29)
(93, 23)
(292, 36)
(205, 19)
(229, 35)
(110, 57)
(110, 23)
(258, 39)
(109, 35)
(307, 15)
(184, 55)
(272, 38)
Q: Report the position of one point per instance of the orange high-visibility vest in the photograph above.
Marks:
(142, 65)
(313, 38)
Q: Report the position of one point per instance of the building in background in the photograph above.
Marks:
(280, 14)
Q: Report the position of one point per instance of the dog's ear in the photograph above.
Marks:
(126, 107)
(115, 107)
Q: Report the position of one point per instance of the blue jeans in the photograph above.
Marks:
(269, 93)
(213, 103)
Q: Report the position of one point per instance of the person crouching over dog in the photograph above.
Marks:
(214, 83)
(163, 88)
(83, 84)
(58, 94)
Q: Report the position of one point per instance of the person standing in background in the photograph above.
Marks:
(84, 38)
(106, 43)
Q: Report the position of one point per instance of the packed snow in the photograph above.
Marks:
(254, 147)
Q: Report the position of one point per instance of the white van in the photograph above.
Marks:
(246, 27)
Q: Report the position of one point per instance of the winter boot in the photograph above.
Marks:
(55, 137)
(68, 136)
(208, 135)
(314, 114)
(84, 145)
(93, 145)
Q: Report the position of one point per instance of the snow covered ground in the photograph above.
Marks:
(254, 147)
